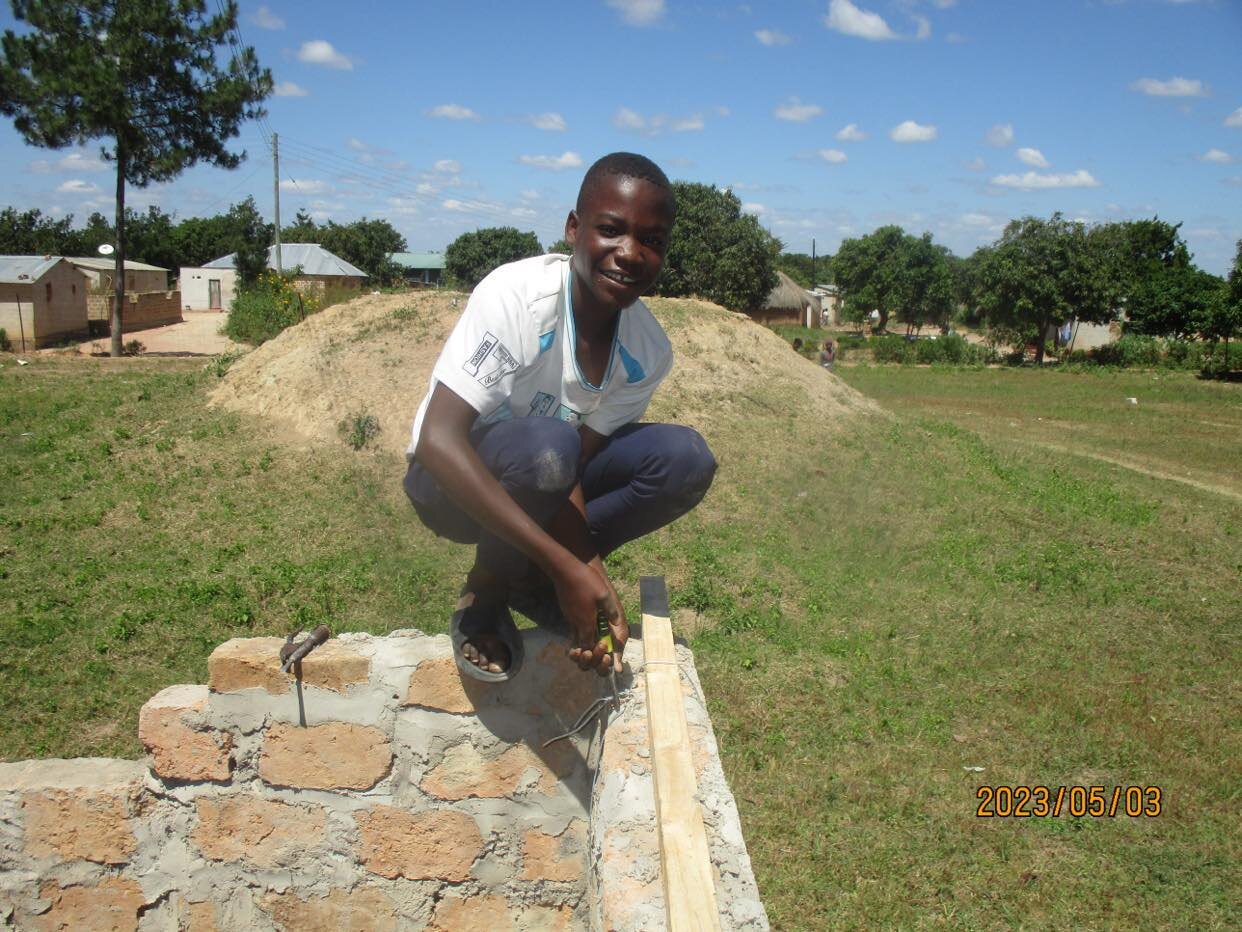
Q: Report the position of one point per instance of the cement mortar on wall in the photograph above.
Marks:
(380, 791)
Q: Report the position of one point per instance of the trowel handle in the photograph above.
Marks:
(317, 637)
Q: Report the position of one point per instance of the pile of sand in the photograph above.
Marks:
(374, 355)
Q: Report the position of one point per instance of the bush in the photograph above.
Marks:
(134, 348)
(261, 311)
(6, 345)
(892, 349)
(359, 429)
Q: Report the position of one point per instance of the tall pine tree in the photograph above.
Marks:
(144, 76)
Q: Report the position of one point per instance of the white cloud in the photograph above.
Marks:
(833, 156)
(944, 4)
(1033, 181)
(627, 119)
(426, 187)
(529, 194)
(1174, 87)
(751, 207)
(639, 12)
(73, 162)
(1032, 157)
(1000, 135)
(266, 19)
(795, 111)
(485, 207)
(975, 165)
(452, 112)
(924, 28)
(1234, 119)
(305, 187)
(848, 19)
(1219, 156)
(909, 131)
(553, 122)
(321, 52)
(554, 163)
(772, 37)
(955, 38)
(77, 186)
(448, 166)
(977, 220)
(1233, 181)
(289, 89)
(850, 133)
(357, 144)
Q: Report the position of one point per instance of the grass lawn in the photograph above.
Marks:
(881, 612)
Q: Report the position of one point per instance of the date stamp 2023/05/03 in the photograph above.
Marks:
(1097, 802)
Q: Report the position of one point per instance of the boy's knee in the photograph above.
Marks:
(551, 447)
(691, 466)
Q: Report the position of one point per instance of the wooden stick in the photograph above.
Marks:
(689, 891)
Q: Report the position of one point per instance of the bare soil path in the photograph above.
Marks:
(198, 334)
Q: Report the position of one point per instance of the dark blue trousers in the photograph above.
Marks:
(644, 477)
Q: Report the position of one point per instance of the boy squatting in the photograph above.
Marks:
(528, 442)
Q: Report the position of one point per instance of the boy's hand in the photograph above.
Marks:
(583, 593)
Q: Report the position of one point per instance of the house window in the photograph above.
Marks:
(47, 288)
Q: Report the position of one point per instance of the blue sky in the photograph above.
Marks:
(828, 118)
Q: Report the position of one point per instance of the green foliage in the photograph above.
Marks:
(265, 308)
(800, 267)
(6, 345)
(1042, 273)
(359, 429)
(134, 348)
(472, 256)
(253, 236)
(364, 243)
(145, 76)
(717, 252)
(899, 275)
(952, 350)
(561, 247)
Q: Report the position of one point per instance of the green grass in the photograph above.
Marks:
(882, 607)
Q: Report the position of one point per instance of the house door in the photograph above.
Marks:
(213, 295)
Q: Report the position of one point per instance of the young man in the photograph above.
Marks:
(528, 442)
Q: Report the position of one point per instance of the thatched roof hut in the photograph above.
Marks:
(789, 301)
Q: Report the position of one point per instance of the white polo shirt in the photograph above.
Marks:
(511, 354)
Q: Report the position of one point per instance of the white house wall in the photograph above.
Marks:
(195, 294)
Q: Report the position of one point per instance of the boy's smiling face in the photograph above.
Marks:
(620, 236)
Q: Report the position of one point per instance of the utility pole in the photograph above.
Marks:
(812, 263)
(276, 192)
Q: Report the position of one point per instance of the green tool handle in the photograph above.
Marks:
(602, 629)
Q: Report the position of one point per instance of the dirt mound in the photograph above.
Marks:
(373, 357)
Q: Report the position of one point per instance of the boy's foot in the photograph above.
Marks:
(486, 642)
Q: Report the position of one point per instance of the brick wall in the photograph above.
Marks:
(141, 311)
(381, 791)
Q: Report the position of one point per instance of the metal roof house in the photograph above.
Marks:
(139, 276)
(420, 267)
(211, 286)
(42, 301)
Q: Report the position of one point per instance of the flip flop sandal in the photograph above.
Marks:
(476, 618)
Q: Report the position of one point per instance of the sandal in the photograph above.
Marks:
(485, 618)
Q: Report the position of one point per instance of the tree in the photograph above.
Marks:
(899, 275)
(561, 247)
(250, 236)
(717, 252)
(143, 76)
(28, 233)
(1223, 319)
(1159, 289)
(801, 268)
(471, 256)
(1042, 273)
(367, 244)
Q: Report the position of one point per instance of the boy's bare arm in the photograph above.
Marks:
(444, 450)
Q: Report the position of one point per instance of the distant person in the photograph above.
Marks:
(828, 355)
(529, 444)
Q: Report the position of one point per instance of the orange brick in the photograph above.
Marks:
(436, 684)
(109, 906)
(179, 752)
(554, 857)
(263, 832)
(363, 909)
(465, 772)
(572, 690)
(247, 663)
(334, 756)
(93, 826)
(436, 845)
(491, 913)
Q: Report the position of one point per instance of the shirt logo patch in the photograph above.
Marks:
(541, 404)
(500, 362)
(472, 364)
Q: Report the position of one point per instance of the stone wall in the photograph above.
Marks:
(379, 791)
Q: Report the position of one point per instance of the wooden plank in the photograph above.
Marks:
(689, 891)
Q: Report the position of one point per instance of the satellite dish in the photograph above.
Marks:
(106, 249)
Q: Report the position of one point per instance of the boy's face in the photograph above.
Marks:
(620, 237)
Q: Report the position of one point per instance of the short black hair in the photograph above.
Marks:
(628, 165)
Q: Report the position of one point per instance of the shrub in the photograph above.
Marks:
(134, 348)
(892, 349)
(261, 311)
(6, 345)
(359, 429)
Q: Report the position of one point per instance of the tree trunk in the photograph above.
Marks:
(119, 274)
